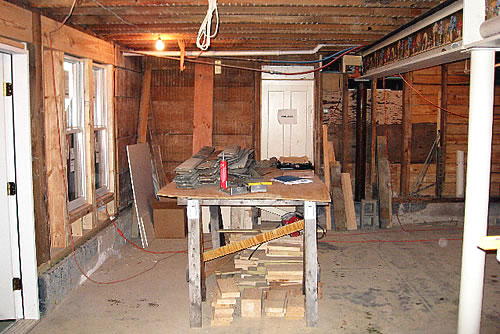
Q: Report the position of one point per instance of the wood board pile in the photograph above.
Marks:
(224, 302)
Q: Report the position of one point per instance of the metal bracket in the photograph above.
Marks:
(7, 89)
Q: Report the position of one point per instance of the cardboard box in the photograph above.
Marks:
(169, 219)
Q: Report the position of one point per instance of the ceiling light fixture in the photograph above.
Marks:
(159, 44)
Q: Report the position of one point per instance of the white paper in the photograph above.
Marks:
(287, 116)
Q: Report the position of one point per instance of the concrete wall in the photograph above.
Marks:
(58, 281)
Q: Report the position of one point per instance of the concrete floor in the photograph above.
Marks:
(369, 287)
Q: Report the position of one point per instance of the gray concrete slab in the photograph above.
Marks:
(371, 285)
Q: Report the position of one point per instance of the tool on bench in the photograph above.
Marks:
(290, 218)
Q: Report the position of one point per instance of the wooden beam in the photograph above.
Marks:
(384, 184)
(326, 170)
(253, 241)
(406, 137)
(317, 123)
(89, 137)
(42, 231)
(348, 201)
(360, 168)
(203, 106)
(373, 146)
(142, 123)
(338, 200)
(17, 22)
(257, 115)
(441, 126)
(345, 119)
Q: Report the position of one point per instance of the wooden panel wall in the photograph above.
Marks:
(128, 78)
(172, 93)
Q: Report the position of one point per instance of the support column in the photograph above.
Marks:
(360, 169)
(406, 142)
(215, 225)
(345, 119)
(477, 192)
(194, 262)
(311, 264)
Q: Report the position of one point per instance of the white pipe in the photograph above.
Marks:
(460, 178)
(234, 53)
(477, 191)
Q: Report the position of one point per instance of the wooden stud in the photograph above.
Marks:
(348, 201)
(443, 120)
(317, 123)
(203, 106)
(338, 200)
(111, 133)
(215, 225)
(142, 124)
(311, 264)
(194, 262)
(42, 232)
(373, 146)
(384, 184)
(54, 145)
(326, 170)
(360, 168)
(406, 137)
(89, 137)
(257, 115)
(345, 119)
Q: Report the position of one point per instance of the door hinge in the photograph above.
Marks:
(7, 89)
(17, 284)
(11, 188)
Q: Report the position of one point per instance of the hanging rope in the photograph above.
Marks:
(205, 32)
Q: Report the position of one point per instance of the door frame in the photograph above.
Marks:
(24, 178)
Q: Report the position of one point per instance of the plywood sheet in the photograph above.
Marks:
(142, 185)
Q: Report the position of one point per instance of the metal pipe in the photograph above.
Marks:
(477, 192)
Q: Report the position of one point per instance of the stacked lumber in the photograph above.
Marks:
(284, 273)
(284, 250)
(275, 303)
(224, 302)
(251, 303)
(295, 306)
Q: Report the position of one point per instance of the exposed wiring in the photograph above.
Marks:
(117, 16)
(205, 31)
(387, 241)
(66, 18)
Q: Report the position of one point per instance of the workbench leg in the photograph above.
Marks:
(215, 225)
(194, 262)
(311, 264)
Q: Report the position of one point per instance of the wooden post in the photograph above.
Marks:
(194, 262)
(215, 225)
(257, 115)
(203, 106)
(360, 169)
(384, 184)
(326, 170)
(373, 148)
(345, 119)
(42, 232)
(406, 140)
(142, 124)
(339, 212)
(311, 264)
(442, 119)
(88, 81)
(317, 123)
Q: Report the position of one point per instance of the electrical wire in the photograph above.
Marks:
(387, 241)
(118, 16)
(205, 31)
(73, 6)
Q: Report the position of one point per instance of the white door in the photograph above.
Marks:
(287, 118)
(9, 246)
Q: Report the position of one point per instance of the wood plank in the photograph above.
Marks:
(339, 213)
(253, 241)
(54, 144)
(326, 170)
(77, 43)
(194, 263)
(384, 183)
(215, 225)
(228, 288)
(203, 106)
(251, 303)
(311, 264)
(348, 201)
(88, 82)
(345, 119)
(142, 187)
(17, 22)
(142, 124)
(406, 140)
(442, 128)
(373, 146)
(42, 231)
(257, 115)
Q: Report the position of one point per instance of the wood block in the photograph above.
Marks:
(295, 307)
(228, 288)
(275, 303)
(251, 303)
(348, 201)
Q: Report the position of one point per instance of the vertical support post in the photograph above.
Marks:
(318, 107)
(194, 262)
(477, 192)
(360, 170)
(373, 148)
(311, 264)
(406, 144)
(257, 115)
(443, 118)
(345, 119)
(215, 225)
(203, 106)
(142, 123)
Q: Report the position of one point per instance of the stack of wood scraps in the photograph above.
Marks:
(224, 302)
(295, 307)
(275, 303)
(251, 303)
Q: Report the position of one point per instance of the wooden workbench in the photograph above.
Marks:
(309, 195)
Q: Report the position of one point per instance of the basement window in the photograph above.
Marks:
(101, 168)
(75, 149)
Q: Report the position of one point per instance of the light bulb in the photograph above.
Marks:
(159, 44)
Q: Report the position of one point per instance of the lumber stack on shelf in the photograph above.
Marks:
(251, 303)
